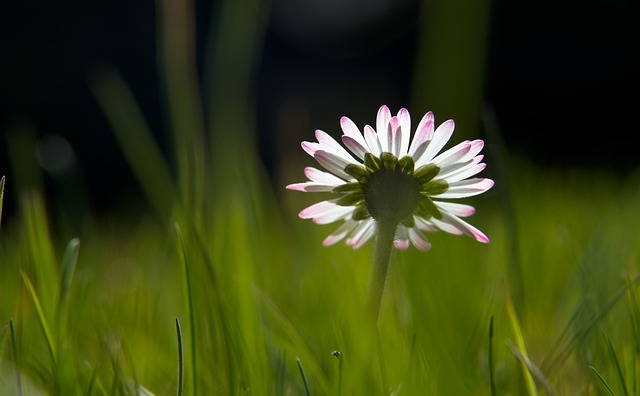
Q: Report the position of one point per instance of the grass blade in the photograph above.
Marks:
(188, 297)
(520, 343)
(41, 318)
(338, 355)
(602, 381)
(492, 380)
(180, 359)
(69, 261)
(14, 351)
(616, 362)
(133, 133)
(304, 377)
(533, 370)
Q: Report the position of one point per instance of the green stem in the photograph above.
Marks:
(385, 235)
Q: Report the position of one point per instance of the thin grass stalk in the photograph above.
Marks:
(338, 355)
(616, 362)
(582, 332)
(132, 132)
(69, 261)
(188, 295)
(304, 377)
(180, 359)
(16, 358)
(520, 345)
(492, 380)
(602, 381)
(44, 325)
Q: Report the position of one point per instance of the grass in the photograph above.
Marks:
(219, 289)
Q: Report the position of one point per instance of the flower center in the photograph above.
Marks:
(391, 195)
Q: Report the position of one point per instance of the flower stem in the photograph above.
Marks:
(385, 235)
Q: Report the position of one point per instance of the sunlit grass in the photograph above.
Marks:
(258, 298)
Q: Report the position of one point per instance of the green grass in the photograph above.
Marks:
(219, 289)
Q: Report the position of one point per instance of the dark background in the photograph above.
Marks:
(561, 78)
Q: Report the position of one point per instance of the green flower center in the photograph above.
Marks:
(391, 190)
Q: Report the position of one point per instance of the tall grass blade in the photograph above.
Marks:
(41, 317)
(180, 359)
(616, 363)
(189, 299)
(304, 377)
(519, 342)
(136, 140)
(602, 381)
(492, 380)
(564, 350)
(338, 355)
(533, 369)
(69, 261)
(16, 358)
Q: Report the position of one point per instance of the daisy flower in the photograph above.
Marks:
(389, 181)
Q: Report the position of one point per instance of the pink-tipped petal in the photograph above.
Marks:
(467, 188)
(476, 146)
(310, 147)
(372, 140)
(361, 234)
(351, 129)
(333, 163)
(310, 187)
(382, 126)
(453, 155)
(454, 174)
(465, 227)
(329, 144)
(319, 176)
(405, 132)
(395, 136)
(340, 233)
(354, 146)
(418, 239)
(457, 209)
(440, 137)
(317, 209)
(447, 227)
(424, 133)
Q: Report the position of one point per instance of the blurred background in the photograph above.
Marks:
(556, 82)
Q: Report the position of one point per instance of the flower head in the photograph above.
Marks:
(389, 178)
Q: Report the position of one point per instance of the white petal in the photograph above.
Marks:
(405, 129)
(467, 188)
(447, 227)
(418, 239)
(340, 233)
(424, 225)
(453, 155)
(440, 137)
(424, 134)
(319, 176)
(326, 212)
(355, 147)
(361, 234)
(372, 140)
(310, 187)
(351, 129)
(333, 163)
(330, 145)
(468, 170)
(401, 241)
(382, 126)
(465, 227)
(395, 136)
(456, 209)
